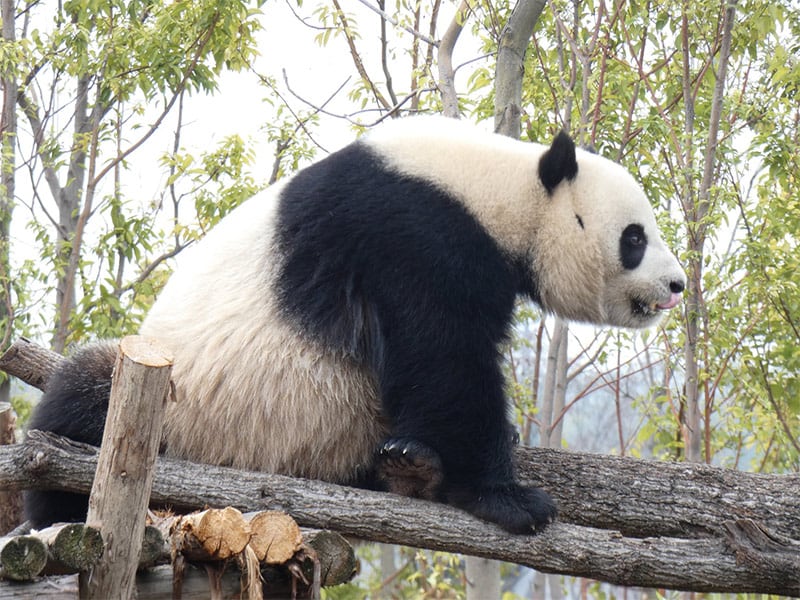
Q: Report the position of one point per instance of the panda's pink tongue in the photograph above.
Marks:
(673, 301)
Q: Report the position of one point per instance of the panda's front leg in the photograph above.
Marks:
(451, 441)
(516, 508)
(407, 467)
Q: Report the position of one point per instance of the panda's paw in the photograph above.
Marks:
(516, 508)
(408, 467)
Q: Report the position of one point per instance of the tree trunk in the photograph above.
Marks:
(8, 141)
(121, 490)
(10, 502)
(511, 65)
(483, 578)
(694, 430)
(447, 85)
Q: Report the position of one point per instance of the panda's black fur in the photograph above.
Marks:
(372, 299)
(384, 294)
(75, 406)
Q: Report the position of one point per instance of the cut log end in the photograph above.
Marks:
(146, 351)
(220, 533)
(338, 562)
(77, 547)
(23, 558)
(275, 536)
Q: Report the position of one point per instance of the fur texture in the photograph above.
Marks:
(74, 406)
(347, 325)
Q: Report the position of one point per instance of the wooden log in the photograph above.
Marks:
(274, 536)
(30, 362)
(10, 500)
(704, 564)
(213, 534)
(22, 558)
(337, 559)
(673, 517)
(72, 547)
(324, 557)
(69, 547)
(61, 587)
(165, 538)
(609, 492)
(154, 584)
(155, 548)
(124, 477)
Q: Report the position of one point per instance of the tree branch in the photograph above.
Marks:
(701, 496)
(632, 522)
(359, 64)
(510, 65)
(622, 520)
(387, 74)
(706, 564)
(387, 17)
(447, 84)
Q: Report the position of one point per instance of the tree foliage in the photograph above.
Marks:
(95, 81)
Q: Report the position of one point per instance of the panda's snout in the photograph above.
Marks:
(676, 287)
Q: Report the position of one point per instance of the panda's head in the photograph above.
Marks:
(598, 255)
(578, 224)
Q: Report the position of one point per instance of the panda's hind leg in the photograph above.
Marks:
(408, 467)
(43, 508)
(74, 405)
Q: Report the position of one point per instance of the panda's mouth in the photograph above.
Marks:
(646, 309)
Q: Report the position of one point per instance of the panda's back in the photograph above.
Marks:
(284, 403)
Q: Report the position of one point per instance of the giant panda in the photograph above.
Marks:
(347, 324)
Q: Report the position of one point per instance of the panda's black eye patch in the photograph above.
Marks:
(580, 221)
(632, 245)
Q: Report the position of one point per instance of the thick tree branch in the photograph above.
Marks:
(510, 65)
(447, 85)
(622, 520)
(359, 64)
(29, 362)
(706, 564)
(589, 488)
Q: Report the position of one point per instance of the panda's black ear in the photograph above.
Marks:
(558, 162)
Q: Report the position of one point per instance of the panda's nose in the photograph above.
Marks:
(676, 287)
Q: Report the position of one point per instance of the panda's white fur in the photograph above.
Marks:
(296, 353)
(260, 396)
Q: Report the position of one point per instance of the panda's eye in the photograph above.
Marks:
(633, 235)
(632, 245)
(635, 239)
